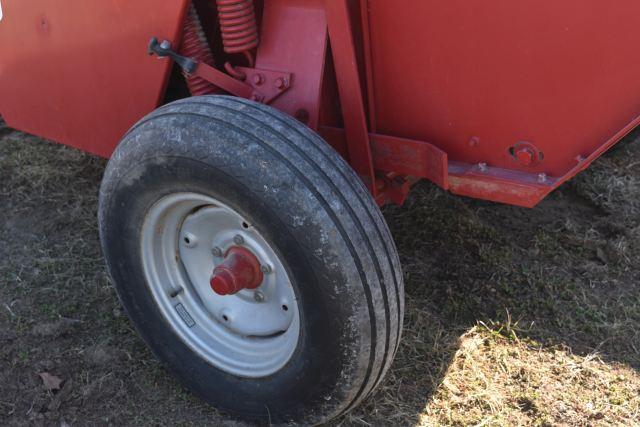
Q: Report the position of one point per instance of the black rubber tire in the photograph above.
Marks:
(310, 205)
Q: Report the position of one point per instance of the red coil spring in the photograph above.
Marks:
(195, 45)
(238, 25)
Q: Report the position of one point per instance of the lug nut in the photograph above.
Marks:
(238, 239)
(258, 296)
(216, 252)
(265, 268)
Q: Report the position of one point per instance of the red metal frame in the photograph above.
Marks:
(503, 101)
(399, 156)
(350, 88)
(293, 38)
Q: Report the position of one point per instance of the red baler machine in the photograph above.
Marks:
(280, 249)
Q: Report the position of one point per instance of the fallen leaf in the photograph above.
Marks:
(51, 382)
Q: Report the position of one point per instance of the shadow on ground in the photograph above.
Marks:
(561, 276)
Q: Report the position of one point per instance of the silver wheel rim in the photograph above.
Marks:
(250, 334)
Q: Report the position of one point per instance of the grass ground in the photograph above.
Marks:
(514, 316)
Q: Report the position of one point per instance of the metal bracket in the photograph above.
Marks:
(271, 84)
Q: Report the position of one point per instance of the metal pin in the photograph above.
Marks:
(176, 292)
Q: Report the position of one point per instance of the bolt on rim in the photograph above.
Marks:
(251, 333)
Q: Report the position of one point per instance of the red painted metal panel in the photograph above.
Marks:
(457, 82)
(475, 78)
(77, 71)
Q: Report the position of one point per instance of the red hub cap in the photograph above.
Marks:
(239, 270)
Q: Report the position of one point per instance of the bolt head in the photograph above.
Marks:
(258, 296)
(302, 115)
(542, 177)
(482, 166)
(238, 239)
(166, 44)
(525, 156)
(280, 83)
(258, 79)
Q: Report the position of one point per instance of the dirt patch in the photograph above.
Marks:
(514, 316)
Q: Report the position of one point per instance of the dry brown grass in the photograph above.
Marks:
(514, 316)
(498, 381)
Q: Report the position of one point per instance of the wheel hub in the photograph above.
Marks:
(240, 270)
(220, 285)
